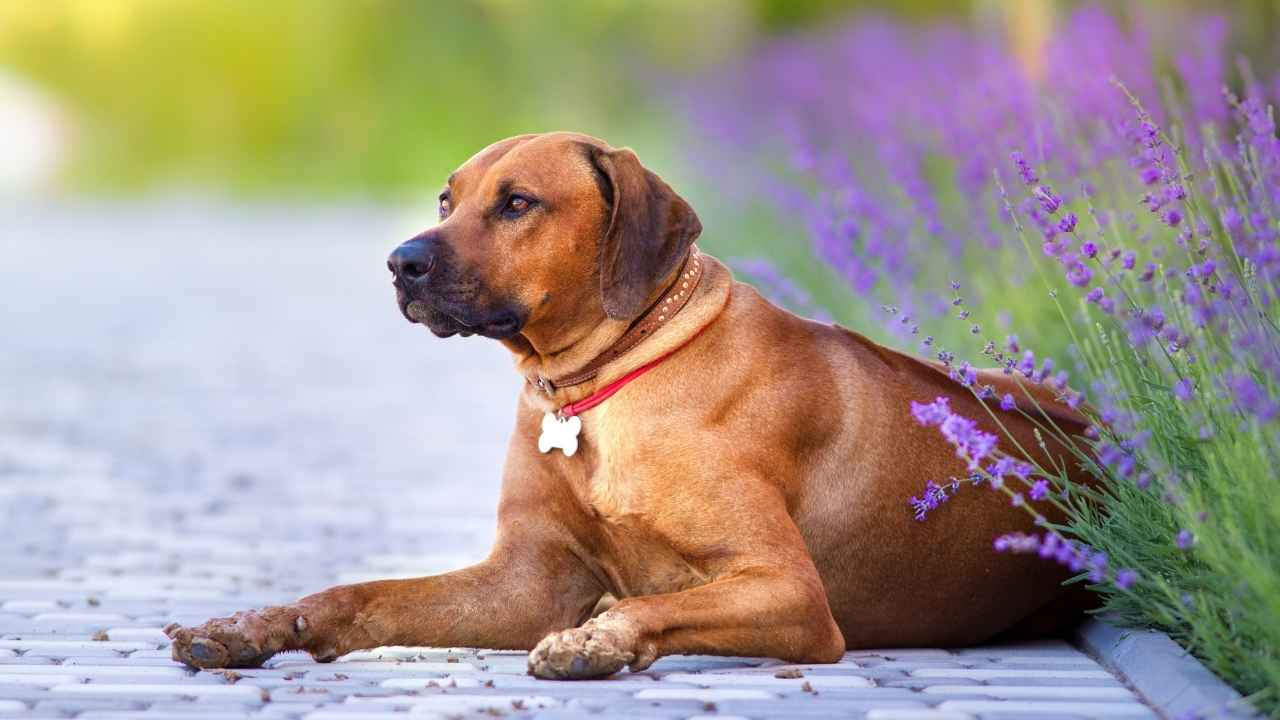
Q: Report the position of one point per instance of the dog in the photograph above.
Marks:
(693, 469)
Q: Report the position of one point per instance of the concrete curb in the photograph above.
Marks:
(1169, 678)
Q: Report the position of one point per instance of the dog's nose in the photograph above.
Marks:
(412, 261)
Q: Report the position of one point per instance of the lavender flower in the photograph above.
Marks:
(1049, 202)
(1074, 556)
(1024, 169)
(1079, 275)
(971, 443)
(1039, 490)
(933, 413)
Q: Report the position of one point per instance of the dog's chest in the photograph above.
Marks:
(637, 550)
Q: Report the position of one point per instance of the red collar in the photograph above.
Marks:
(606, 392)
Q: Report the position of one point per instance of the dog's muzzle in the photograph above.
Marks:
(430, 291)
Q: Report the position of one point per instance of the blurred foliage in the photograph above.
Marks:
(365, 95)
(380, 97)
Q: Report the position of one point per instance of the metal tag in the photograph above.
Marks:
(557, 433)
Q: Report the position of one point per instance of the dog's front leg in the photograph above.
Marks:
(507, 602)
(756, 612)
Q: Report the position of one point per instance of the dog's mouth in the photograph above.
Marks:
(445, 321)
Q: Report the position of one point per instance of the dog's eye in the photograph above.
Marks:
(517, 205)
(444, 207)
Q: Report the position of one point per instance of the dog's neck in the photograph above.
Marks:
(611, 348)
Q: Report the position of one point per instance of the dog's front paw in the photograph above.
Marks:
(601, 647)
(244, 640)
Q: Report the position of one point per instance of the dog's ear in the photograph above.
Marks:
(650, 229)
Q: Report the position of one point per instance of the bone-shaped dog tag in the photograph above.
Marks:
(557, 433)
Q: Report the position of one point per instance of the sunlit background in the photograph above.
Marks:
(379, 99)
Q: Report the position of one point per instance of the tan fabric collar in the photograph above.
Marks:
(658, 314)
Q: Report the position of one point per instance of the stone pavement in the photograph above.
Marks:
(207, 407)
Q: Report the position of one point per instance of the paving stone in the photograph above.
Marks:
(811, 707)
(245, 693)
(767, 681)
(916, 714)
(1064, 682)
(71, 618)
(27, 693)
(75, 706)
(902, 653)
(359, 666)
(29, 606)
(1028, 707)
(704, 695)
(1046, 660)
(917, 683)
(12, 660)
(65, 648)
(134, 659)
(143, 634)
(30, 679)
(155, 715)
(436, 704)
(997, 673)
(631, 708)
(341, 714)
(95, 670)
(1035, 691)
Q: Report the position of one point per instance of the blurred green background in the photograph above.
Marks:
(380, 99)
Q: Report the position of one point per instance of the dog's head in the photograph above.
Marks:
(545, 235)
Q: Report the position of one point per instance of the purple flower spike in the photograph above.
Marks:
(1025, 171)
(969, 441)
(1079, 275)
(1048, 201)
(1068, 223)
(933, 413)
(1126, 578)
(1039, 490)
(1185, 539)
(1089, 249)
(1172, 217)
(1007, 404)
(1027, 366)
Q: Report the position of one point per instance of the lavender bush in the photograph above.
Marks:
(1118, 212)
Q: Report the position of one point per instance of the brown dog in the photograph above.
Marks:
(743, 493)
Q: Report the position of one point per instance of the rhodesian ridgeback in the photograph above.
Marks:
(735, 477)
